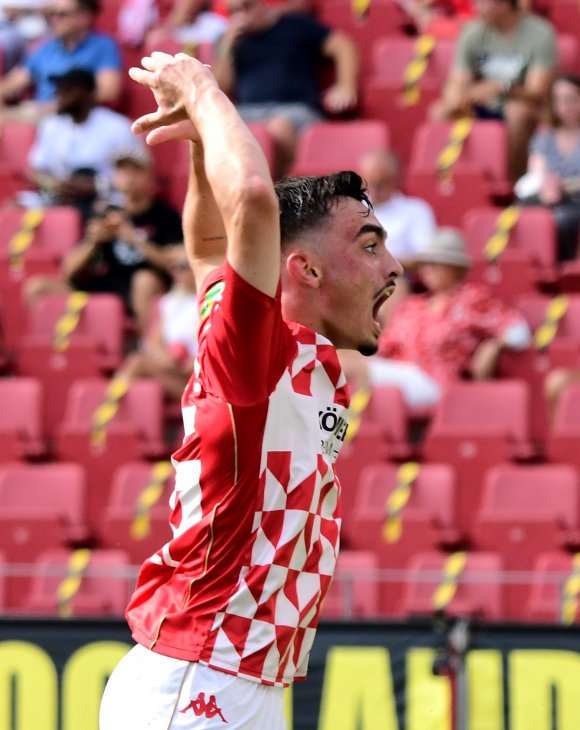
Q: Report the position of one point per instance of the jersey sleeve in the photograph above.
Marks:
(244, 344)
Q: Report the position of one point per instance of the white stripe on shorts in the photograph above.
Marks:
(149, 691)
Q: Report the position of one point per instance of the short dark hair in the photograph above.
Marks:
(91, 6)
(307, 202)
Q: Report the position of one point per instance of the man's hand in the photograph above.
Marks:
(174, 81)
(484, 93)
(338, 98)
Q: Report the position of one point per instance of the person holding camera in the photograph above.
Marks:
(125, 249)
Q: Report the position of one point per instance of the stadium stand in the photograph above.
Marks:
(79, 583)
(63, 345)
(22, 434)
(553, 593)
(353, 593)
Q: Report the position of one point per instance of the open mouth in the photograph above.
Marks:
(381, 298)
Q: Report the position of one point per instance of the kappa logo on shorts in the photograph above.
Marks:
(201, 707)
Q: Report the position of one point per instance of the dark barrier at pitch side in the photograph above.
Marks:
(362, 677)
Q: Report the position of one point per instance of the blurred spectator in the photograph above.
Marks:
(441, 18)
(553, 177)
(269, 62)
(125, 247)
(12, 40)
(409, 222)
(74, 45)
(190, 21)
(75, 149)
(455, 330)
(503, 69)
(170, 345)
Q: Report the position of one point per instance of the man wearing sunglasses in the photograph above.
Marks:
(74, 44)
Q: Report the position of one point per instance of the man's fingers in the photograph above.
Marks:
(147, 122)
(141, 76)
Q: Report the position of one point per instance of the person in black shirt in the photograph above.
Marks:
(268, 61)
(126, 247)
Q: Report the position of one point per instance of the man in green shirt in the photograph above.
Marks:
(503, 69)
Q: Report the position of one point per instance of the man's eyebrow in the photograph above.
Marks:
(371, 228)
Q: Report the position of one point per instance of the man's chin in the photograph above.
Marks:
(368, 348)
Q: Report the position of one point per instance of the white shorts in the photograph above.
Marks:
(419, 390)
(149, 691)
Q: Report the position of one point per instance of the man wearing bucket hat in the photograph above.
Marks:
(455, 329)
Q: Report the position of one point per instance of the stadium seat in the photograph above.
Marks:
(41, 506)
(563, 444)
(565, 15)
(529, 258)
(384, 18)
(22, 433)
(526, 510)
(95, 347)
(16, 142)
(567, 53)
(475, 180)
(52, 236)
(326, 147)
(134, 431)
(101, 588)
(3, 582)
(478, 591)
(136, 516)
(381, 435)
(423, 522)
(535, 362)
(553, 593)
(353, 593)
(475, 426)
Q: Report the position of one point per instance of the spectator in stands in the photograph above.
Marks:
(170, 345)
(409, 222)
(503, 69)
(73, 156)
(75, 44)
(455, 330)
(553, 177)
(125, 247)
(12, 41)
(268, 61)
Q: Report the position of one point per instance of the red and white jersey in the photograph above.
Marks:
(256, 507)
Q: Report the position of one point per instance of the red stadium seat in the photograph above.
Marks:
(382, 92)
(95, 347)
(567, 52)
(138, 530)
(384, 17)
(534, 363)
(354, 589)
(526, 510)
(528, 259)
(565, 15)
(56, 234)
(41, 506)
(104, 588)
(328, 147)
(548, 595)
(478, 594)
(475, 426)
(564, 433)
(21, 419)
(134, 432)
(16, 142)
(476, 178)
(425, 522)
(3, 583)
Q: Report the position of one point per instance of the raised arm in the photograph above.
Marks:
(233, 164)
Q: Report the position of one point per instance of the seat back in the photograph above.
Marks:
(391, 56)
(59, 230)
(533, 234)
(488, 408)
(16, 142)
(544, 492)
(141, 409)
(102, 321)
(22, 407)
(432, 137)
(326, 147)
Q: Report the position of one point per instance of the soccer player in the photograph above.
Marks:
(224, 614)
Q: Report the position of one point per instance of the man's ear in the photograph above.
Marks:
(303, 269)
